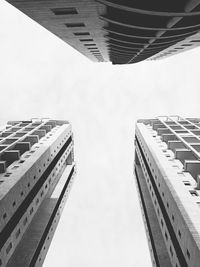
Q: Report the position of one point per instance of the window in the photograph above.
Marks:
(186, 44)
(86, 40)
(93, 49)
(179, 233)
(193, 193)
(81, 33)
(18, 233)
(195, 41)
(166, 236)
(31, 210)
(73, 25)
(9, 248)
(171, 251)
(90, 44)
(186, 183)
(25, 221)
(188, 254)
(64, 11)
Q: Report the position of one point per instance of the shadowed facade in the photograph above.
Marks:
(36, 172)
(120, 31)
(167, 171)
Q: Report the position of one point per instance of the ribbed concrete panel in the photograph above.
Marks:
(146, 29)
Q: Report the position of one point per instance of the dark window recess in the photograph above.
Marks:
(193, 193)
(171, 251)
(9, 248)
(72, 25)
(166, 236)
(64, 11)
(186, 44)
(81, 33)
(179, 233)
(188, 254)
(18, 233)
(31, 211)
(86, 40)
(25, 221)
(90, 44)
(195, 41)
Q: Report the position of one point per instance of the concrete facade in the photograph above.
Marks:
(167, 164)
(120, 31)
(36, 172)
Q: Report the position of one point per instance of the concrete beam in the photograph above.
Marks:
(157, 125)
(10, 156)
(2, 166)
(20, 134)
(191, 139)
(23, 147)
(2, 147)
(184, 154)
(168, 137)
(196, 146)
(9, 141)
(14, 129)
(40, 133)
(32, 139)
(52, 123)
(193, 167)
(196, 131)
(175, 144)
(5, 134)
(163, 131)
(47, 128)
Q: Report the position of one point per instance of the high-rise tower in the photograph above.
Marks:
(120, 31)
(36, 172)
(167, 171)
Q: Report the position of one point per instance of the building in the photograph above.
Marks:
(36, 172)
(167, 171)
(119, 31)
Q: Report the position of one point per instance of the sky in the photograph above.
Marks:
(41, 76)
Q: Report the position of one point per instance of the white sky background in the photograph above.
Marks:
(41, 76)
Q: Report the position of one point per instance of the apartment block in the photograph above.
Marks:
(119, 31)
(167, 172)
(36, 173)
